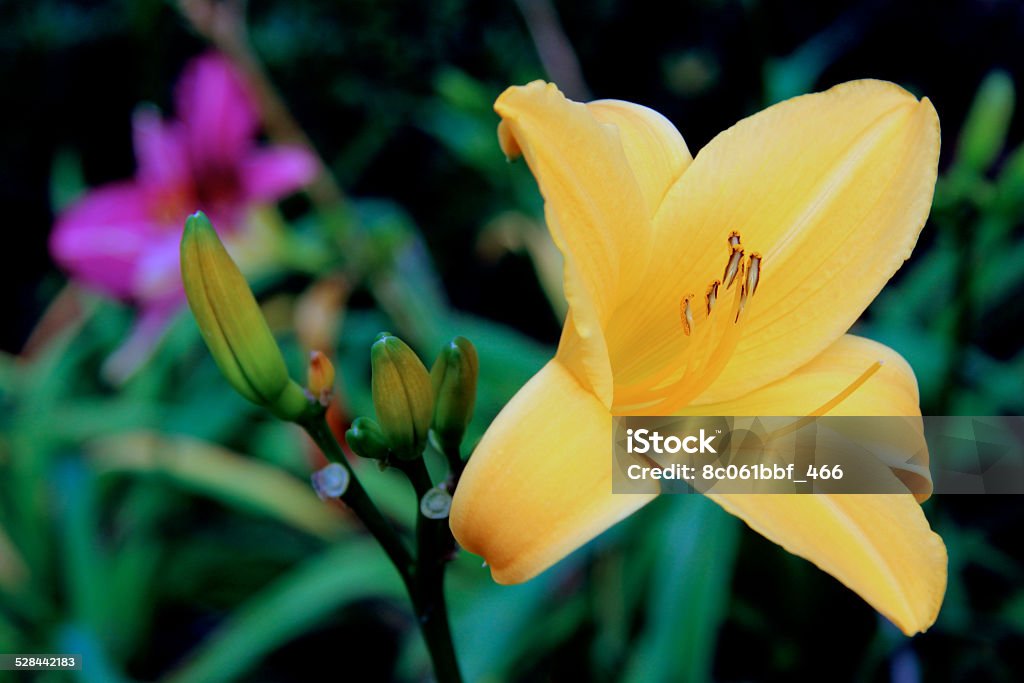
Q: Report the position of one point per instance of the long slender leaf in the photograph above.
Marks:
(12, 567)
(492, 624)
(231, 479)
(689, 593)
(84, 567)
(288, 608)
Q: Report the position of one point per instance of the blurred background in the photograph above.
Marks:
(158, 524)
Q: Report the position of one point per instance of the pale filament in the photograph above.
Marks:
(828, 405)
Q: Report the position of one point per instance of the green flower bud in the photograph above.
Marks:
(454, 381)
(232, 324)
(402, 396)
(984, 131)
(320, 377)
(366, 439)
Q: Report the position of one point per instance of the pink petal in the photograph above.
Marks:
(149, 328)
(160, 150)
(100, 239)
(273, 172)
(218, 110)
(158, 272)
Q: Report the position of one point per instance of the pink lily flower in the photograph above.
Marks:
(122, 239)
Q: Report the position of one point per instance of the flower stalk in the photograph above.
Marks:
(244, 349)
(422, 574)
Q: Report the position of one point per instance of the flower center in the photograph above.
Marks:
(747, 272)
(217, 186)
(711, 329)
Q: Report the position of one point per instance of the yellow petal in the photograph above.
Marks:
(831, 189)
(539, 483)
(879, 545)
(602, 169)
(656, 152)
(892, 390)
(853, 377)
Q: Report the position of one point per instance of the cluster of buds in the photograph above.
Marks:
(410, 402)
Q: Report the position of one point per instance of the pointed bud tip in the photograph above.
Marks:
(198, 230)
(198, 220)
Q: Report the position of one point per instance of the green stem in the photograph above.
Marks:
(434, 547)
(963, 308)
(356, 498)
(424, 576)
(455, 464)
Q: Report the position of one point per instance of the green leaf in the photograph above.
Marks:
(290, 607)
(97, 666)
(67, 182)
(236, 481)
(689, 592)
(83, 561)
(496, 627)
(798, 72)
(12, 566)
(984, 133)
(1010, 184)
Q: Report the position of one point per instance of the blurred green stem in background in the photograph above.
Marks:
(967, 220)
(223, 24)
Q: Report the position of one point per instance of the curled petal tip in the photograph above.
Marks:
(509, 144)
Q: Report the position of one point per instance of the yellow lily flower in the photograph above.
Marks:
(717, 285)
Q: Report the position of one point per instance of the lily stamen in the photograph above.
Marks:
(754, 272)
(749, 286)
(731, 268)
(686, 314)
(713, 341)
(743, 301)
(712, 295)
